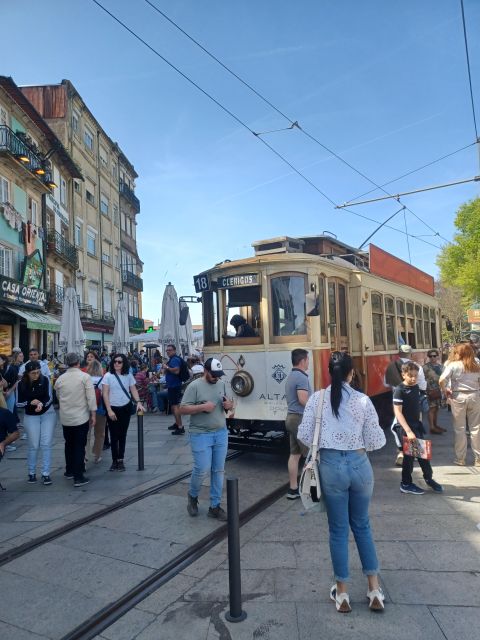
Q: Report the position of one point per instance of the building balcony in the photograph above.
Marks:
(130, 196)
(85, 310)
(108, 317)
(131, 280)
(55, 297)
(136, 324)
(62, 248)
(25, 154)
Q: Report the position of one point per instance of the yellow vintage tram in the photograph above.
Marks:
(319, 294)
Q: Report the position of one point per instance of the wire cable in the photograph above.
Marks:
(292, 122)
(409, 173)
(468, 69)
(243, 124)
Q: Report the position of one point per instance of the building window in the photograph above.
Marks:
(63, 191)
(105, 257)
(88, 138)
(33, 206)
(91, 242)
(77, 186)
(75, 121)
(103, 157)
(4, 190)
(6, 261)
(104, 204)
(116, 217)
(90, 192)
(78, 234)
(114, 171)
(124, 222)
(3, 115)
(93, 295)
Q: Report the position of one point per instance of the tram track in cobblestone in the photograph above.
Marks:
(27, 547)
(112, 612)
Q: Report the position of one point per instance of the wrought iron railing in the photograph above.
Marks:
(55, 295)
(129, 194)
(62, 247)
(132, 280)
(85, 310)
(16, 146)
(108, 316)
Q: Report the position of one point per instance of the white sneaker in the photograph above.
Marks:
(376, 599)
(342, 601)
(24, 436)
(10, 447)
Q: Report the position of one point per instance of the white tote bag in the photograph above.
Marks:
(309, 485)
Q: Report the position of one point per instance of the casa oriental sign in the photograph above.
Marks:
(12, 291)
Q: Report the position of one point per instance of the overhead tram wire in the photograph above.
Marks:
(293, 123)
(409, 173)
(243, 124)
(469, 71)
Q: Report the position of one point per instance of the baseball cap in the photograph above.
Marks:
(405, 348)
(214, 367)
(197, 368)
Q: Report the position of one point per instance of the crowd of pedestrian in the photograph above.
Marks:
(95, 396)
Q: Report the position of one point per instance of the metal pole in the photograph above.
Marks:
(234, 572)
(141, 462)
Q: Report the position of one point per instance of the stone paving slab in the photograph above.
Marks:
(256, 585)
(398, 622)
(168, 594)
(456, 588)
(462, 623)
(265, 621)
(8, 631)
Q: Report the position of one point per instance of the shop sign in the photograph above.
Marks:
(57, 208)
(15, 292)
(473, 315)
(239, 280)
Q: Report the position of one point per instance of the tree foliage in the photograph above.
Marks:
(459, 262)
(452, 309)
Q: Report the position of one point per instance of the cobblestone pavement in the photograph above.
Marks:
(428, 547)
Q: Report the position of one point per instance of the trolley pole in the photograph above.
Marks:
(236, 614)
(141, 461)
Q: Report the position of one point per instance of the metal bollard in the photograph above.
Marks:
(236, 614)
(141, 461)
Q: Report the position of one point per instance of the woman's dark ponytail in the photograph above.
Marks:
(339, 366)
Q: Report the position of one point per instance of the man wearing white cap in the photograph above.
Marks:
(205, 401)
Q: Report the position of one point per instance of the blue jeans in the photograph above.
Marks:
(159, 397)
(346, 479)
(40, 436)
(209, 451)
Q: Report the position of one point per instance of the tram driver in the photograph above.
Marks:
(242, 328)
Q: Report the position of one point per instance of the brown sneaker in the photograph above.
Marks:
(218, 513)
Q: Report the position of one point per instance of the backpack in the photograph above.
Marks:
(184, 373)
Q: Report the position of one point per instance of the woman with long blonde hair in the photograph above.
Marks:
(462, 375)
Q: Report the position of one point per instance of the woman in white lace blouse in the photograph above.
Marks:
(349, 428)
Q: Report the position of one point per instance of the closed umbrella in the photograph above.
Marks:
(186, 333)
(121, 331)
(72, 335)
(169, 332)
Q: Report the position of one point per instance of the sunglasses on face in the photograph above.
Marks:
(433, 355)
(118, 361)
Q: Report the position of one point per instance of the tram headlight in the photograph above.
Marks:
(242, 383)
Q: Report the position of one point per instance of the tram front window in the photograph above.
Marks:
(289, 306)
(242, 313)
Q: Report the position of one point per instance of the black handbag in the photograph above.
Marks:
(133, 404)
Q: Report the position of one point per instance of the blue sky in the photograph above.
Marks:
(383, 84)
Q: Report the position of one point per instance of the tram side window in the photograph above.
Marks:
(390, 323)
(401, 322)
(418, 326)
(342, 309)
(377, 321)
(289, 305)
(321, 304)
(244, 302)
(426, 329)
(411, 326)
(210, 317)
(433, 329)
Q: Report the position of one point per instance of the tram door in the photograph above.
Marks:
(337, 315)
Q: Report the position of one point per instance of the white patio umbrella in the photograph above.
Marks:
(121, 331)
(169, 332)
(72, 335)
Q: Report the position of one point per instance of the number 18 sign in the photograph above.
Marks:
(201, 282)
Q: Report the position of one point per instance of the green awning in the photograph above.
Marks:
(37, 319)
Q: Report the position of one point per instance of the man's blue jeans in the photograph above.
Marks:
(209, 451)
(346, 479)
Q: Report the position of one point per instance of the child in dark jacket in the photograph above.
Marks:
(406, 406)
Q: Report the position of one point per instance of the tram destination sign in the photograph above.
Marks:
(238, 280)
